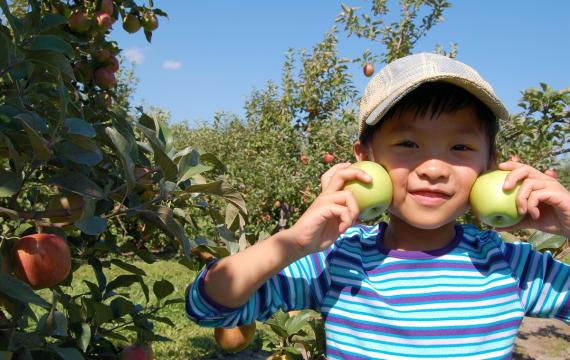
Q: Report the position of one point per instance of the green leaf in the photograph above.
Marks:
(162, 319)
(92, 225)
(129, 267)
(84, 337)
(123, 148)
(123, 281)
(79, 126)
(77, 183)
(542, 241)
(144, 254)
(102, 313)
(52, 60)
(214, 188)
(52, 324)
(52, 43)
(162, 289)
(10, 183)
(162, 217)
(66, 353)
(40, 148)
(95, 290)
(9, 214)
(295, 323)
(168, 167)
(19, 290)
(121, 307)
(88, 153)
(51, 20)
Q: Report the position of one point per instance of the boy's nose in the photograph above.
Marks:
(433, 170)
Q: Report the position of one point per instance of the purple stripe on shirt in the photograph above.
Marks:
(451, 331)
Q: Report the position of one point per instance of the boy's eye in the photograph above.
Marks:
(407, 144)
(461, 147)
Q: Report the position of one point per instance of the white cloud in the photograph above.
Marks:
(172, 65)
(134, 55)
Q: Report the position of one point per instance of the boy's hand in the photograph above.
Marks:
(332, 212)
(541, 197)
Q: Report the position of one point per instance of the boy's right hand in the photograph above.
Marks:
(332, 212)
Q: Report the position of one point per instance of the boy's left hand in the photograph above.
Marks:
(542, 198)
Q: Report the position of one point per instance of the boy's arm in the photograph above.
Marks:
(247, 279)
(234, 279)
(543, 280)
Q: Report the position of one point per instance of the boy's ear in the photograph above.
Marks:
(360, 151)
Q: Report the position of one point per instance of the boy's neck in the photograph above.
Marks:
(400, 235)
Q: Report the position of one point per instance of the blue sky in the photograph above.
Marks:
(209, 55)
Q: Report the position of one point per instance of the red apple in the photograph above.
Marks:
(328, 158)
(304, 159)
(368, 70)
(552, 173)
(105, 77)
(107, 7)
(104, 20)
(137, 352)
(78, 22)
(42, 260)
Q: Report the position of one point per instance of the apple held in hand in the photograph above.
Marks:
(493, 205)
(375, 197)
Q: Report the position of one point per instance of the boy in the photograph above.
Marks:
(421, 286)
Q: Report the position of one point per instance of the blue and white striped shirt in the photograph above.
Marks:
(464, 301)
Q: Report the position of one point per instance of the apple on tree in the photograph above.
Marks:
(493, 205)
(375, 197)
(328, 158)
(42, 260)
(368, 70)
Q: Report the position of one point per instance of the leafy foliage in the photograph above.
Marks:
(67, 133)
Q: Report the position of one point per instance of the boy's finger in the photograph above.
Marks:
(346, 198)
(527, 188)
(520, 173)
(339, 179)
(328, 175)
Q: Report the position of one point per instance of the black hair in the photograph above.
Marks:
(438, 98)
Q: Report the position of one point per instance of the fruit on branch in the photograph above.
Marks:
(149, 22)
(490, 203)
(235, 339)
(42, 260)
(368, 70)
(304, 159)
(104, 21)
(83, 71)
(105, 77)
(328, 158)
(375, 197)
(78, 22)
(107, 7)
(131, 23)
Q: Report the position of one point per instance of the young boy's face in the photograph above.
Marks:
(433, 162)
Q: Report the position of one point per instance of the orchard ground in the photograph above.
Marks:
(537, 339)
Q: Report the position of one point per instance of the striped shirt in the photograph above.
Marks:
(464, 301)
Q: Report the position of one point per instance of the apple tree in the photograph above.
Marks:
(76, 165)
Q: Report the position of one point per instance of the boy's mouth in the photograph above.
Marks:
(429, 197)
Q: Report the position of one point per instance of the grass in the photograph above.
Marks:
(189, 341)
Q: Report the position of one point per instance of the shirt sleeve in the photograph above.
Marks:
(544, 282)
(301, 285)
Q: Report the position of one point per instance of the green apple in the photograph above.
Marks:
(493, 205)
(375, 197)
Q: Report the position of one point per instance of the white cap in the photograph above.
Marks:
(403, 75)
